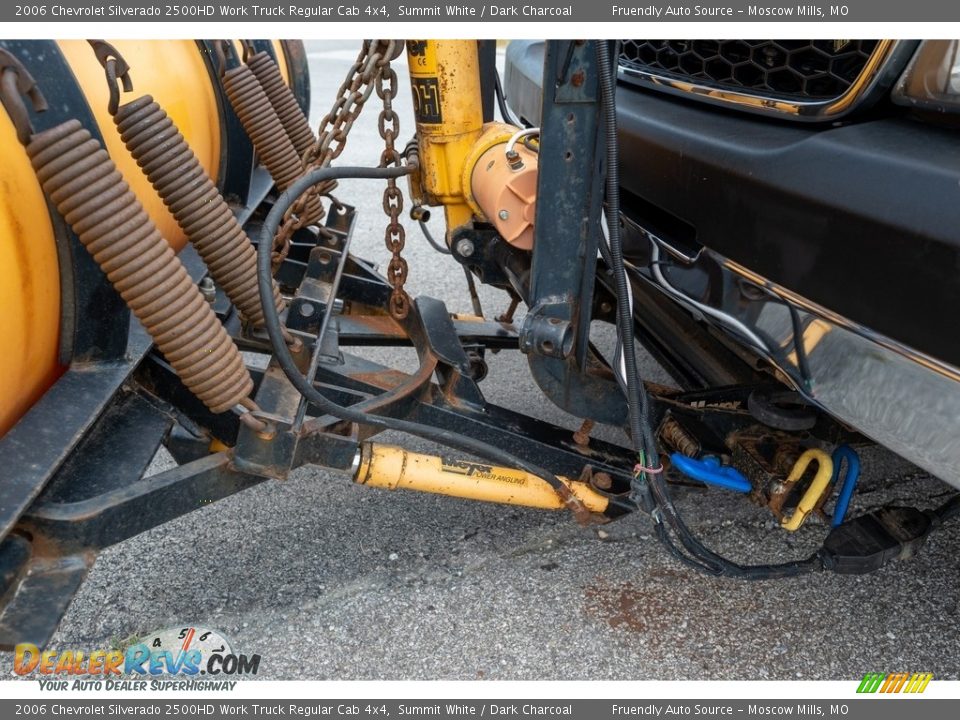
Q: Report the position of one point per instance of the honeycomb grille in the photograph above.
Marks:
(806, 70)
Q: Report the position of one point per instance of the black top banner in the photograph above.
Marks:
(474, 11)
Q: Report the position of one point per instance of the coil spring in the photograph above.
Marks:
(84, 184)
(283, 101)
(174, 171)
(263, 126)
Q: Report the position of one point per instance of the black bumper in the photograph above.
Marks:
(863, 219)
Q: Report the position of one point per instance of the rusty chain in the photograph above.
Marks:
(394, 234)
(332, 137)
(371, 71)
(354, 92)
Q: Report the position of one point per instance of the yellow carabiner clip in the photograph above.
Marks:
(819, 485)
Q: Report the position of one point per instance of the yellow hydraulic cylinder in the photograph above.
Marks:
(445, 79)
(391, 467)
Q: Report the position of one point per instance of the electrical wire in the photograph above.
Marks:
(641, 432)
(505, 114)
(303, 384)
(472, 290)
(724, 318)
(665, 512)
(442, 249)
(471, 285)
(519, 135)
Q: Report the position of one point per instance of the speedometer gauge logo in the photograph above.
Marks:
(187, 651)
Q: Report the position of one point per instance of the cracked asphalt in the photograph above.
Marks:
(328, 580)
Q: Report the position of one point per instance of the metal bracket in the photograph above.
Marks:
(546, 332)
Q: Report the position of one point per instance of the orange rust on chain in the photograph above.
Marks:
(78, 176)
(208, 222)
(273, 147)
(283, 101)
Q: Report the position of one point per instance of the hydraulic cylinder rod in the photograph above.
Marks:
(391, 467)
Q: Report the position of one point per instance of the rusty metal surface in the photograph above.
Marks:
(676, 437)
(17, 83)
(263, 126)
(283, 101)
(192, 198)
(79, 177)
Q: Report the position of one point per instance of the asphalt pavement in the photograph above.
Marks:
(328, 580)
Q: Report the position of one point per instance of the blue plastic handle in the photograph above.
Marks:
(845, 452)
(710, 471)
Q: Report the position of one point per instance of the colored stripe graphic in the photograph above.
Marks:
(888, 683)
(923, 679)
(870, 683)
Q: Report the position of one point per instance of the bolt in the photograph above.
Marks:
(504, 214)
(465, 247)
(582, 436)
(602, 481)
(578, 78)
(306, 309)
(208, 289)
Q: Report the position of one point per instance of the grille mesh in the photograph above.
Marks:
(783, 69)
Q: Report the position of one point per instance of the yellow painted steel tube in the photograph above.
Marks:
(393, 468)
(811, 497)
(445, 79)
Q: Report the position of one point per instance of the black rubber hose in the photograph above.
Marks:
(505, 113)
(303, 384)
(637, 400)
(430, 239)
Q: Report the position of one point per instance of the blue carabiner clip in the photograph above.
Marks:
(710, 471)
(844, 452)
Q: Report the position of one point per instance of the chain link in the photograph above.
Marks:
(394, 234)
(370, 72)
(354, 92)
(332, 137)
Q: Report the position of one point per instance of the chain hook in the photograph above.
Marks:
(226, 55)
(16, 83)
(248, 49)
(116, 68)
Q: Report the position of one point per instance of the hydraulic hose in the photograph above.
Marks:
(508, 117)
(637, 401)
(286, 361)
